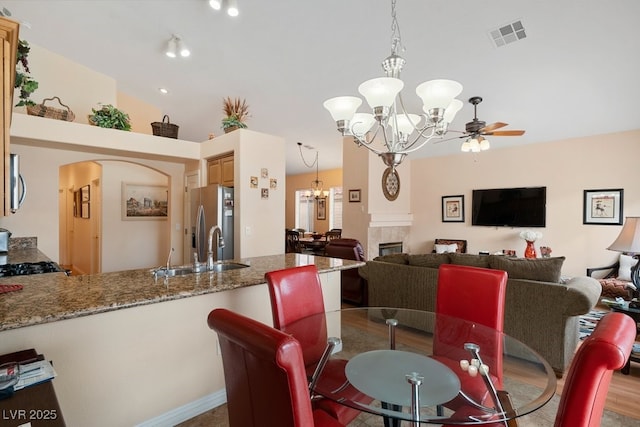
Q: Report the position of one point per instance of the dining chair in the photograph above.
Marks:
(476, 295)
(332, 234)
(586, 386)
(296, 293)
(293, 241)
(264, 375)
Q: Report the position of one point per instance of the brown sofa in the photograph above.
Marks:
(539, 310)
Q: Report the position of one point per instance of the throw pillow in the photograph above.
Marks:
(429, 260)
(441, 249)
(540, 269)
(624, 270)
(470, 259)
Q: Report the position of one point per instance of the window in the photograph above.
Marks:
(335, 207)
(304, 210)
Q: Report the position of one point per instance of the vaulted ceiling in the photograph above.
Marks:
(574, 74)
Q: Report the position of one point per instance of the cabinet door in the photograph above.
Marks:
(214, 171)
(8, 47)
(227, 171)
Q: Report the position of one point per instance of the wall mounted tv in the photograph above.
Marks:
(510, 207)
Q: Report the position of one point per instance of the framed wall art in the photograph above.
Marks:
(322, 208)
(453, 208)
(144, 201)
(603, 207)
(354, 196)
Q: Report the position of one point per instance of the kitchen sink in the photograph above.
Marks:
(184, 270)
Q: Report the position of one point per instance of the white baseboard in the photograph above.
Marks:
(188, 411)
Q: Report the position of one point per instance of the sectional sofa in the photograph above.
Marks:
(540, 311)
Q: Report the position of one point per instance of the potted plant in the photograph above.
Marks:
(236, 111)
(24, 82)
(109, 116)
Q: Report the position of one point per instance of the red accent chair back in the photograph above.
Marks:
(296, 293)
(476, 295)
(585, 390)
(264, 375)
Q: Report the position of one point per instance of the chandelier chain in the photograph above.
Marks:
(396, 39)
(309, 165)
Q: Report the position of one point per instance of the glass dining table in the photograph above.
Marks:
(421, 367)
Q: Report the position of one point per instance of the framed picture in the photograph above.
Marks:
(603, 207)
(264, 193)
(354, 196)
(144, 201)
(322, 208)
(453, 208)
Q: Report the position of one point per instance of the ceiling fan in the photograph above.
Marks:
(476, 130)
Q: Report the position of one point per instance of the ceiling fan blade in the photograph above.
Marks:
(505, 133)
(450, 139)
(492, 126)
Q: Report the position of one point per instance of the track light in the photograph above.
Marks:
(231, 6)
(175, 46)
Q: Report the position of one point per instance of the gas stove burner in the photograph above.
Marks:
(26, 268)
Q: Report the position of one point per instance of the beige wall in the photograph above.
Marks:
(140, 113)
(330, 178)
(566, 168)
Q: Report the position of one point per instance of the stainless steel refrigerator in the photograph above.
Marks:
(211, 205)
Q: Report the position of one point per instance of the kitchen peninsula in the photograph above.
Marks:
(130, 349)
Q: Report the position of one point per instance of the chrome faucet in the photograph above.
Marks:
(213, 256)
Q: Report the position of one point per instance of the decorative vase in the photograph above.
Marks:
(530, 250)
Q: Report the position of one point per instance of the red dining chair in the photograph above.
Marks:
(475, 295)
(264, 375)
(585, 391)
(296, 293)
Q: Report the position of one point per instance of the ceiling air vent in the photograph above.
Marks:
(508, 34)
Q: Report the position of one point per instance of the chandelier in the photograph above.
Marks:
(402, 132)
(316, 185)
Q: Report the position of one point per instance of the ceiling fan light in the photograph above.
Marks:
(438, 93)
(381, 92)
(361, 123)
(475, 145)
(466, 147)
(215, 4)
(342, 107)
(484, 144)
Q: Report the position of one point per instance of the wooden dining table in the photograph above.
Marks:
(315, 245)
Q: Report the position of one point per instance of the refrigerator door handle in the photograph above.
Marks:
(200, 233)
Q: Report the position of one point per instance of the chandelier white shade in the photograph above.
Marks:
(399, 131)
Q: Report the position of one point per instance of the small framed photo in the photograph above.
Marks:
(453, 208)
(265, 193)
(603, 207)
(354, 196)
(253, 182)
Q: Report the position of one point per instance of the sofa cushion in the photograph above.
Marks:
(393, 258)
(428, 260)
(539, 269)
(471, 260)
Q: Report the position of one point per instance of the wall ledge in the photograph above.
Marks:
(390, 220)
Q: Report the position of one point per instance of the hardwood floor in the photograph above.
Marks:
(623, 398)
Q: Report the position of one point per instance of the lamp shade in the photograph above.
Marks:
(452, 110)
(361, 123)
(438, 93)
(629, 238)
(381, 92)
(406, 123)
(342, 107)
(484, 144)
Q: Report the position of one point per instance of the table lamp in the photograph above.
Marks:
(629, 241)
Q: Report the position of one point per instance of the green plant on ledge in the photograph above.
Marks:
(24, 82)
(109, 116)
(236, 111)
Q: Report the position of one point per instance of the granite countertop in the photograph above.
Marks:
(54, 296)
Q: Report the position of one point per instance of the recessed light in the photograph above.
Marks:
(163, 90)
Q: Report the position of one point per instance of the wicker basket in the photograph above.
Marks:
(42, 110)
(166, 129)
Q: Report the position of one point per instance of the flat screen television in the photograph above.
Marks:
(509, 207)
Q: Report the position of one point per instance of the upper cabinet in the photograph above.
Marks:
(220, 170)
(9, 37)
